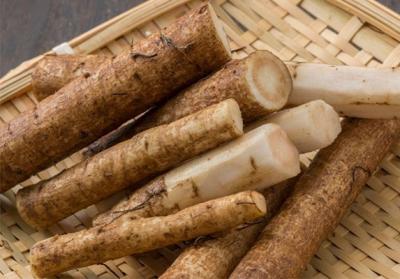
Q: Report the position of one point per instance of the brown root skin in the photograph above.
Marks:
(142, 203)
(55, 71)
(320, 199)
(250, 160)
(89, 107)
(260, 84)
(229, 82)
(124, 132)
(126, 236)
(123, 165)
(218, 256)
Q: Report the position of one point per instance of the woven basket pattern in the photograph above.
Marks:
(366, 244)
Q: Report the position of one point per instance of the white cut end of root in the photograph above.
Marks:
(259, 201)
(284, 154)
(255, 161)
(311, 126)
(220, 29)
(269, 80)
(233, 110)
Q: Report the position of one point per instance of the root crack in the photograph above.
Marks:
(167, 41)
(249, 224)
(135, 55)
(150, 195)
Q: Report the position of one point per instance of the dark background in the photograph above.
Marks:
(31, 27)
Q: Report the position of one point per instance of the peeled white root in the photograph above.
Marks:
(311, 126)
(128, 236)
(261, 158)
(353, 91)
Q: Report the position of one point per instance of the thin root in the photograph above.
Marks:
(139, 206)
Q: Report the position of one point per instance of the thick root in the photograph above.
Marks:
(217, 257)
(320, 199)
(125, 236)
(257, 160)
(91, 106)
(311, 126)
(146, 154)
(260, 83)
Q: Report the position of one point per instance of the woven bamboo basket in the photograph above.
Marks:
(355, 32)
